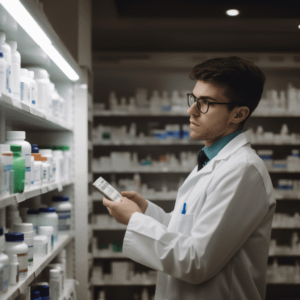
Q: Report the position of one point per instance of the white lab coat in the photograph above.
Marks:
(219, 249)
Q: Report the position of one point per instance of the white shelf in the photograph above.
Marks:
(38, 265)
(29, 117)
(34, 191)
(147, 113)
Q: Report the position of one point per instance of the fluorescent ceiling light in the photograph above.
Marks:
(232, 12)
(27, 22)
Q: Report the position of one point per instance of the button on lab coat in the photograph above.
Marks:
(219, 249)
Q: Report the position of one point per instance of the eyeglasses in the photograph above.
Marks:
(203, 104)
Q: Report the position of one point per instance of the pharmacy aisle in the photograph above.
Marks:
(148, 149)
(42, 89)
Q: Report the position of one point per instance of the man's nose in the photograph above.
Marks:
(193, 109)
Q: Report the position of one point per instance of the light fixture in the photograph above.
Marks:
(232, 12)
(27, 22)
(299, 26)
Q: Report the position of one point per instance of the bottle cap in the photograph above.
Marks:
(34, 148)
(1, 54)
(30, 74)
(15, 148)
(60, 198)
(16, 135)
(40, 240)
(24, 72)
(32, 212)
(22, 227)
(14, 237)
(39, 73)
(47, 209)
(54, 273)
(35, 295)
(13, 44)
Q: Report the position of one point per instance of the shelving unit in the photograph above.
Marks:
(169, 71)
(44, 129)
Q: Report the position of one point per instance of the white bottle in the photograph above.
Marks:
(61, 259)
(5, 261)
(55, 100)
(2, 73)
(46, 170)
(62, 275)
(165, 103)
(15, 245)
(63, 209)
(6, 50)
(24, 86)
(155, 102)
(293, 161)
(54, 284)
(32, 217)
(67, 158)
(48, 217)
(48, 153)
(40, 245)
(32, 170)
(32, 88)
(15, 69)
(38, 170)
(6, 159)
(14, 270)
(48, 231)
(18, 138)
(59, 161)
(43, 88)
(27, 230)
(101, 295)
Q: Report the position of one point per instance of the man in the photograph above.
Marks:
(214, 245)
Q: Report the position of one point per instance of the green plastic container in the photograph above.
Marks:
(19, 168)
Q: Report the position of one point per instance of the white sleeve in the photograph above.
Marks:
(158, 213)
(233, 209)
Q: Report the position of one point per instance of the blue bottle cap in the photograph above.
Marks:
(34, 148)
(1, 54)
(60, 198)
(32, 212)
(1, 231)
(47, 209)
(14, 237)
(44, 290)
(35, 295)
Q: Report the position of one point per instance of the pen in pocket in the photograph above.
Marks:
(184, 209)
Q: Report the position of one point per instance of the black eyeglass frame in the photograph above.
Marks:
(208, 102)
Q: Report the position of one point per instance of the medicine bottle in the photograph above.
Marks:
(45, 170)
(48, 231)
(63, 209)
(2, 73)
(35, 295)
(6, 50)
(27, 230)
(18, 138)
(44, 290)
(48, 217)
(5, 261)
(19, 168)
(62, 275)
(14, 270)
(32, 217)
(40, 245)
(38, 169)
(61, 259)
(15, 245)
(48, 153)
(32, 88)
(59, 161)
(24, 86)
(7, 160)
(15, 69)
(55, 284)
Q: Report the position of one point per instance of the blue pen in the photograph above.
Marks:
(184, 209)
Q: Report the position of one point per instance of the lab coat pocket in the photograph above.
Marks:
(185, 224)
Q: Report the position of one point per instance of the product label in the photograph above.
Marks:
(22, 91)
(5, 281)
(64, 220)
(23, 265)
(30, 256)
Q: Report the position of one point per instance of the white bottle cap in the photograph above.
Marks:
(24, 72)
(22, 227)
(54, 273)
(40, 240)
(2, 36)
(16, 135)
(13, 45)
(39, 73)
(45, 230)
(30, 74)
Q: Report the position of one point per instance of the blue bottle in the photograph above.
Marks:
(35, 295)
(44, 291)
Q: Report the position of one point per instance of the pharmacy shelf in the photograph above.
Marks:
(155, 142)
(29, 117)
(38, 265)
(147, 113)
(34, 191)
(180, 170)
(97, 282)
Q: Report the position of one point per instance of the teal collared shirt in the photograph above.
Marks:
(216, 147)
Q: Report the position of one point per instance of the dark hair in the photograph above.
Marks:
(243, 80)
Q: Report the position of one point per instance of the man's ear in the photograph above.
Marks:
(241, 114)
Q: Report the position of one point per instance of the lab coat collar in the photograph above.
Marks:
(235, 144)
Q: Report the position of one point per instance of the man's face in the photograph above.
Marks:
(215, 124)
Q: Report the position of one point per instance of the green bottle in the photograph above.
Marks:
(19, 168)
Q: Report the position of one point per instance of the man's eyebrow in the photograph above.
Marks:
(205, 97)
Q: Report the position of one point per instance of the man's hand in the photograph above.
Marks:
(137, 198)
(123, 210)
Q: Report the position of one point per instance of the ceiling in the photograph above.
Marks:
(192, 26)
